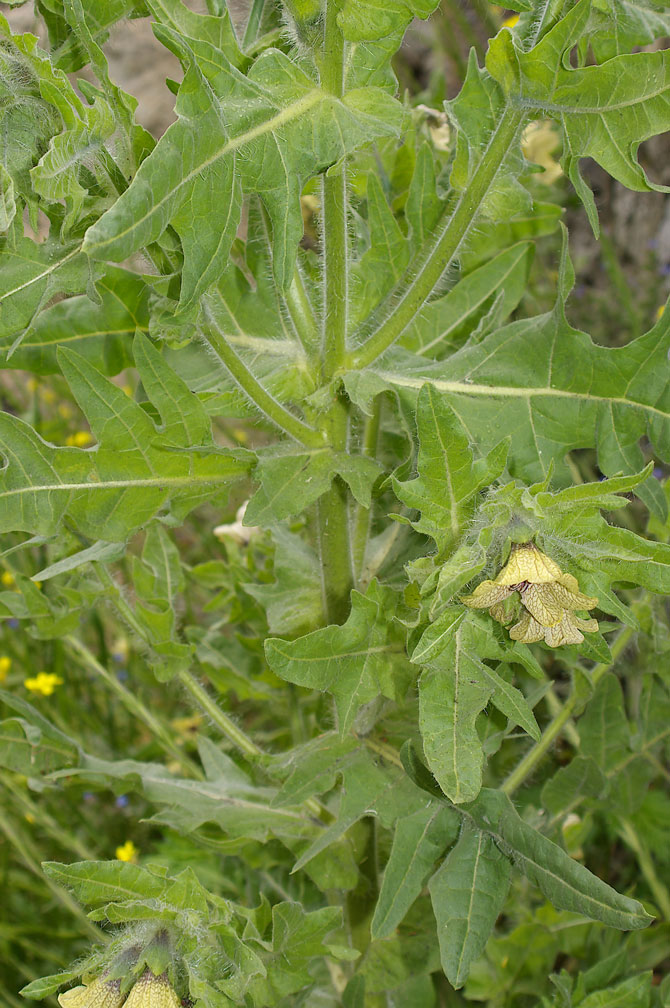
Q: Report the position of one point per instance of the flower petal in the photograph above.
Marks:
(486, 594)
(571, 598)
(565, 632)
(152, 992)
(100, 994)
(541, 604)
(527, 630)
(528, 563)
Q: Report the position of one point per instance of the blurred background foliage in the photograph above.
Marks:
(622, 282)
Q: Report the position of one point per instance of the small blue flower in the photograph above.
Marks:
(122, 801)
(13, 623)
(122, 675)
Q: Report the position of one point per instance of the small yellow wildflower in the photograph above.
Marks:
(65, 411)
(128, 389)
(152, 992)
(100, 994)
(29, 817)
(550, 599)
(659, 312)
(32, 384)
(80, 439)
(44, 683)
(510, 21)
(127, 851)
(5, 665)
(7, 579)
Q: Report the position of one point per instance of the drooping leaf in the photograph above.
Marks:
(566, 883)
(418, 841)
(468, 892)
(454, 688)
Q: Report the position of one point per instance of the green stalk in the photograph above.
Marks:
(41, 816)
(440, 251)
(259, 396)
(361, 530)
(253, 23)
(332, 510)
(30, 856)
(658, 889)
(235, 735)
(295, 302)
(224, 723)
(555, 728)
(135, 706)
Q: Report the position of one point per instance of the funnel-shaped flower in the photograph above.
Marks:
(100, 994)
(549, 597)
(152, 992)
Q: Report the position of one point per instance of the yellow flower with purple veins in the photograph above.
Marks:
(550, 599)
(44, 683)
(100, 994)
(152, 991)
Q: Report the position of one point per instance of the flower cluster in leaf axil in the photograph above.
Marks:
(149, 991)
(550, 599)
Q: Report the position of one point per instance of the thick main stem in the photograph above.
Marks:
(334, 536)
(441, 250)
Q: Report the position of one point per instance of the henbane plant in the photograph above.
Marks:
(418, 603)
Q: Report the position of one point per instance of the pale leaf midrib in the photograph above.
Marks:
(293, 111)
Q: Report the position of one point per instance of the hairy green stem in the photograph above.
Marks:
(294, 303)
(234, 734)
(439, 252)
(332, 510)
(557, 725)
(133, 704)
(253, 23)
(361, 525)
(259, 396)
(224, 723)
(658, 889)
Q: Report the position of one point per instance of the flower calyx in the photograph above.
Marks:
(549, 597)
